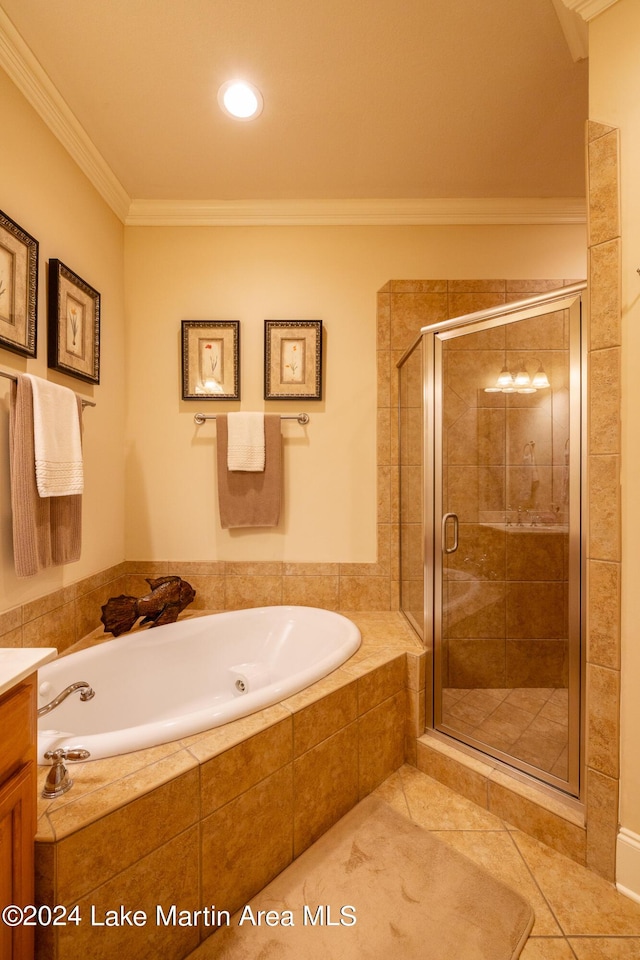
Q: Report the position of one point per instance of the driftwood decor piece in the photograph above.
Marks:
(169, 596)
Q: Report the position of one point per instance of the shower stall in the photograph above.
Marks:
(491, 446)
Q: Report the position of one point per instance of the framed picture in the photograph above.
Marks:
(210, 359)
(18, 288)
(293, 359)
(73, 324)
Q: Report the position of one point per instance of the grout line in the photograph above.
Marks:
(522, 730)
(533, 877)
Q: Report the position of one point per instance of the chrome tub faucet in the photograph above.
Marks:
(87, 693)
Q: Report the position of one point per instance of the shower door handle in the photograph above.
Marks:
(445, 521)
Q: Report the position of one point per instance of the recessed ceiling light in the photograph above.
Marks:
(240, 100)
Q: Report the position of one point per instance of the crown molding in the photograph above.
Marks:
(588, 9)
(32, 81)
(402, 212)
(575, 29)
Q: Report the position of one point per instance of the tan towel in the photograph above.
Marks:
(47, 531)
(250, 499)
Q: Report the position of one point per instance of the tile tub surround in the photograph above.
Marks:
(65, 616)
(212, 818)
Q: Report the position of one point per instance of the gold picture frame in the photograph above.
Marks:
(18, 288)
(73, 324)
(210, 359)
(293, 359)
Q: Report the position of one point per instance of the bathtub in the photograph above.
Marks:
(161, 684)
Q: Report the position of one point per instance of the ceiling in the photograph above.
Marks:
(380, 99)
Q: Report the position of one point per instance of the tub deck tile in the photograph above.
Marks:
(96, 774)
(247, 842)
(316, 721)
(325, 781)
(165, 876)
(336, 680)
(388, 628)
(101, 797)
(231, 773)
(92, 856)
(372, 660)
(211, 743)
(381, 683)
(102, 786)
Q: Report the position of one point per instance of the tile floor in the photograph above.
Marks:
(525, 722)
(579, 916)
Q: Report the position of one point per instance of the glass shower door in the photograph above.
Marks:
(506, 538)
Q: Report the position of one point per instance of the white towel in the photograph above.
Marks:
(245, 447)
(57, 441)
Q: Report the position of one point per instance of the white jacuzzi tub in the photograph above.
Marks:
(161, 684)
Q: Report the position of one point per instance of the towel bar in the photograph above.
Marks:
(12, 376)
(302, 418)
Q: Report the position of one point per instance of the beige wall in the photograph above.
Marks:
(615, 99)
(44, 191)
(141, 437)
(250, 274)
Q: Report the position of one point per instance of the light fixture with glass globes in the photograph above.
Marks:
(240, 100)
(540, 380)
(520, 381)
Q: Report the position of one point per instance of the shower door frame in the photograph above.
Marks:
(565, 298)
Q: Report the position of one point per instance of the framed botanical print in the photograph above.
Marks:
(73, 324)
(293, 359)
(18, 288)
(210, 359)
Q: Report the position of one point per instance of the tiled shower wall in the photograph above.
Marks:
(404, 306)
(411, 486)
(505, 475)
(604, 509)
(403, 302)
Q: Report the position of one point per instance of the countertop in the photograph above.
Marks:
(16, 663)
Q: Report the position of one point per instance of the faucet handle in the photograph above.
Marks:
(64, 753)
(58, 780)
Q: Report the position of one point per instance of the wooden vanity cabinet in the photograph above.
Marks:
(17, 812)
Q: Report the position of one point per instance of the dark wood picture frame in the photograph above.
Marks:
(210, 359)
(73, 324)
(18, 288)
(293, 359)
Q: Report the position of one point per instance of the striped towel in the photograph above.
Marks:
(245, 445)
(57, 442)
